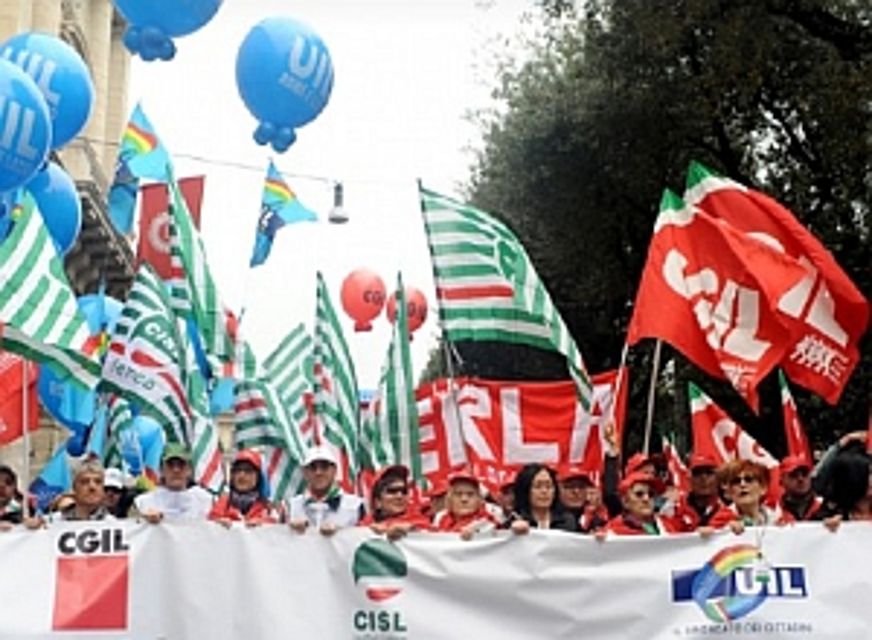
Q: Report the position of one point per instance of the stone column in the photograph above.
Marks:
(46, 16)
(117, 109)
(14, 17)
(99, 34)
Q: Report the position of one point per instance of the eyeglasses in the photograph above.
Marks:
(395, 490)
(744, 480)
(641, 493)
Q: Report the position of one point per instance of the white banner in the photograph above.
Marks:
(198, 580)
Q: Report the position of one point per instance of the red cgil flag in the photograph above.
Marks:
(797, 440)
(12, 381)
(710, 291)
(154, 221)
(830, 312)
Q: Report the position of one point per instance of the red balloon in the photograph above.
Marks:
(363, 297)
(416, 306)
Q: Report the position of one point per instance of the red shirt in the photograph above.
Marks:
(449, 522)
(260, 512)
(417, 520)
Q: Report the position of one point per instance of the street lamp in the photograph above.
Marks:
(337, 213)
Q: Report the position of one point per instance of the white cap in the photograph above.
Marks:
(113, 478)
(317, 453)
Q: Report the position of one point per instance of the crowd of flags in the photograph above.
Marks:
(732, 281)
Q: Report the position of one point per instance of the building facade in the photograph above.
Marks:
(94, 29)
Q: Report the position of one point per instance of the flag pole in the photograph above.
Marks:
(25, 441)
(652, 389)
(619, 383)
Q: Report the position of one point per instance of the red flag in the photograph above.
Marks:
(154, 221)
(12, 380)
(797, 440)
(717, 435)
(678, 471)
(710, 291)
(829, 310)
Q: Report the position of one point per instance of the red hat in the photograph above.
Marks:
(637, 477)
(702, 461)
(792, 463)
(438, 488)
(573, 471)
(250, 456)
(463, 476)
(637, 460)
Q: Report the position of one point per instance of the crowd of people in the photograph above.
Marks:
(639, 499)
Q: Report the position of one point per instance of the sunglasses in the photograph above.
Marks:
(396, 490)
(642, 493)
(744, 480)
(702, 471)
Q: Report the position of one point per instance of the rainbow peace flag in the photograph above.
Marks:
(141, 150)
(279, 206)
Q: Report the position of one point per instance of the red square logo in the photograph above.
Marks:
(91, 593)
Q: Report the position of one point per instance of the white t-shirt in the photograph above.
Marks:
(193, 503)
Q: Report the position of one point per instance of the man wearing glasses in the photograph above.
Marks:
(323, 506)
(638, 491)
(703, 501)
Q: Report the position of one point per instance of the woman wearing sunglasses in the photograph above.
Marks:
(391, 510)
(746, 485)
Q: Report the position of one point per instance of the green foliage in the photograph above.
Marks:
(609, 108)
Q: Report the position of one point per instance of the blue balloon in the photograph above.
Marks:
(62, 77)
(25, 124)
(67, 402)
(100, 314)
(284, 75)
(152, 24)
(76, 444)
(58, 201)
(149, 432)
(222, 397)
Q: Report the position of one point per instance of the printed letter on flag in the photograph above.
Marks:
(711, 292)
(829, 310)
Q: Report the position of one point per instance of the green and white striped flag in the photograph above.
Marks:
(206, 455)
(264, 423)
(337, 407)
(144, 361)
(289, 368)
(389, 434)
(38, 312)
(487, 288)
(119, 421)
(194, 293)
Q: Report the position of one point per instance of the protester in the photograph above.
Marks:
(119, 498)
(246, 501)
(703, 501)
(176, 498)
(536, 503)
(505, 496)
(323, 505)
(850, 490)
(435, 498)
(798, 498)
(10, 502)
(88, 497)
(747, 484)
(391, 513)
(638, 491)
(574, 483)
(595, 515)
(466, 511)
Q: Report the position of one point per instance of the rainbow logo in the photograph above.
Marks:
(138, 140)
(736, 581)
(276, 188)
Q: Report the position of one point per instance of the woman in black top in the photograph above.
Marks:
(536, 502)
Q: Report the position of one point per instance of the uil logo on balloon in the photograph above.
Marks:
(284, 74)
(25, 127)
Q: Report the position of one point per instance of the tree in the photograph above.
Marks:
(610, 107)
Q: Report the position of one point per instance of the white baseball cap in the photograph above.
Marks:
(317, 453)
(113, 478)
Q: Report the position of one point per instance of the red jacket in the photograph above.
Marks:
(728, 514)
(261, 512)
(624, 525)
(417, 520)
(448, 522)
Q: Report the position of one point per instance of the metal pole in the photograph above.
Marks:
(25, 440)
(652, 389)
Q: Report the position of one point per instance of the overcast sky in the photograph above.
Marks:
(406, 74)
